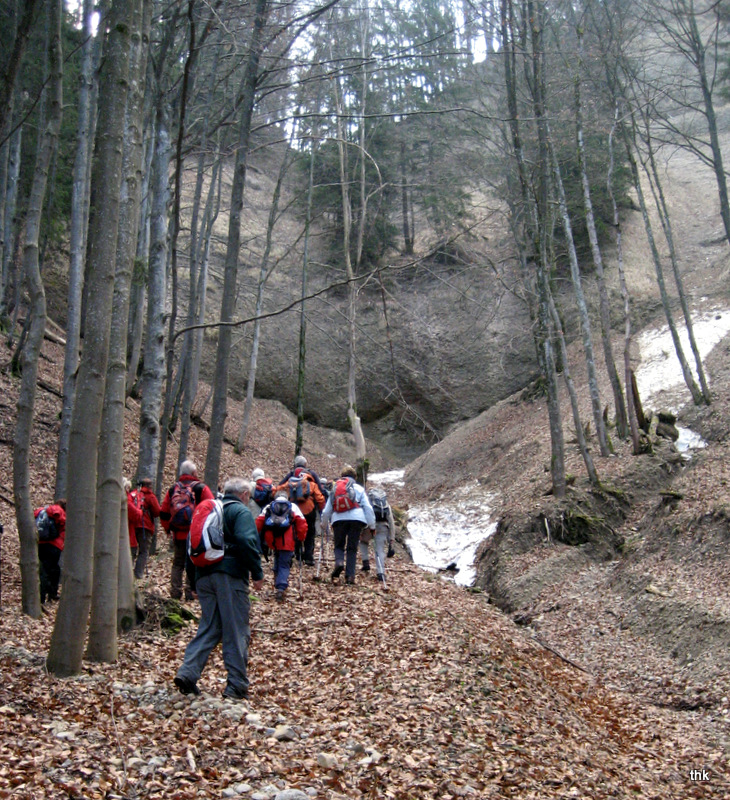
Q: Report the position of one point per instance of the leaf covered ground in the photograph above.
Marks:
(423, 691)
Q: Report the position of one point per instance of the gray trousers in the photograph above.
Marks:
(224, 610)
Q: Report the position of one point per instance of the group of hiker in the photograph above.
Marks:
(218, 541)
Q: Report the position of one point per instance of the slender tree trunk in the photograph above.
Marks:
(141, 266)
(686, 371)
(579, 433)
(102, 645)
(37, 313)
(585, 322)
(301, 371)
(196, 341)
(230, 277)
(666, 223)
(557, 460)
(630, 408)
(408, 242)
(153, 370)
(605, 314)
(171, 386)
(8, 223)
(77, 246)
(67, 642)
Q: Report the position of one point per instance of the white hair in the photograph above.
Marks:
(188, 468)
(237, 486)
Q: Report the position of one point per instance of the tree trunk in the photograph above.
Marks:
(605, 314)
(585, 322)
(8, 222)
(686, 371)
(663, 211)
(13, 63)
(630, 407)
(67, 642)
(192, 375)
(264, 274)
(172, 386)
(37, 313)
(302, 366)
(102, 645)
(153, 370)
(77, 246)
(230, 277)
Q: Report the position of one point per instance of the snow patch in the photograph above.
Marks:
(660, 371)
(395, 477)
(445, 535)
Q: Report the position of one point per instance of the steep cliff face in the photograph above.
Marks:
(434, 347)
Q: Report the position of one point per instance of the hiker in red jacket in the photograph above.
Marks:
(145, 499)
(134, 517)
(282, 524)
(176, 511)
(51, 524)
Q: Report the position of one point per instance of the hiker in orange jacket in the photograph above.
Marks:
(301, 488)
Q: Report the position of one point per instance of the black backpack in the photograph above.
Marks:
(278, 516)
(46, 527)
(379, 501)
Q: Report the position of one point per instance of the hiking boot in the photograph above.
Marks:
(381, 577)
(337, 571)
(229, 693)
(365, 566)
(280, 595)
(350, 580)
(308, 562)
(186, 686)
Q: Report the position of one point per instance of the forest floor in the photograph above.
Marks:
(422, 691)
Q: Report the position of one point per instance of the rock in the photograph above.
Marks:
(291, 794)
(327, 761)
(285, 733)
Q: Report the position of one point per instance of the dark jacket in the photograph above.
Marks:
(242, 552)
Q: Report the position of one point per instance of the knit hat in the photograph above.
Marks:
(257, 473)
(300, 461)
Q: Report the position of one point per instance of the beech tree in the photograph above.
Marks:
(37, 314)
(69, 633)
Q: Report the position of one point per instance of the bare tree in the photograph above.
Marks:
(69, 633)
(230, 275)
(77, 244)
(107, 600)
(37, 314)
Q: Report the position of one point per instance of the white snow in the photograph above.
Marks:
(394, 477)
(660, 372)
(448, 532)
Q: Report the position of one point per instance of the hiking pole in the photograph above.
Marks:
(301, 589)
(381, 569)
(322, 532)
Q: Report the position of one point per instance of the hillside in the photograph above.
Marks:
(424, 691)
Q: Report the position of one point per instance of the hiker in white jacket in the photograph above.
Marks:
(350, 510)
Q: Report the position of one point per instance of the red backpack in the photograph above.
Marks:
(205, 538)
(182, 505)
(344, 496)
